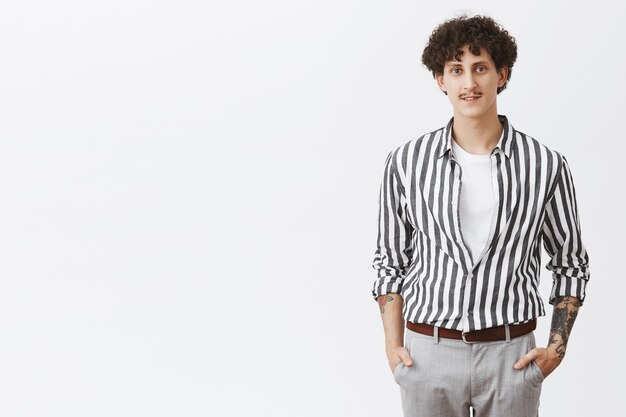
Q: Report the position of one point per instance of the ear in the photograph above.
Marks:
(504, 72)
(440, 82)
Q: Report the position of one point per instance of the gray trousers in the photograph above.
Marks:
(449, 376)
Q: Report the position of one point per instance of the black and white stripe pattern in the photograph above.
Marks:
(420, 251)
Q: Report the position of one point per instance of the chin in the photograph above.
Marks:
(473, 113)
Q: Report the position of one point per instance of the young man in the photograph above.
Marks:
(463, 213)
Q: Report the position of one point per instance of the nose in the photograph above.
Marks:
(469, 83)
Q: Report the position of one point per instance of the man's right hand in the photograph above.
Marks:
(393, 324)
(398, 354)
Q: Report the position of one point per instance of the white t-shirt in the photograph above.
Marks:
(477, 202)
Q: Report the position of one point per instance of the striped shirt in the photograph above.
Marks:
(420, 251)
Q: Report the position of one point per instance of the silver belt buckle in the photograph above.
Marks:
(467, 341)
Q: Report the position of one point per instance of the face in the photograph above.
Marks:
(472, 84)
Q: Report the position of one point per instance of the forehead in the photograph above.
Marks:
(471, 59)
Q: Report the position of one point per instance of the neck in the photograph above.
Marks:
(477, 135)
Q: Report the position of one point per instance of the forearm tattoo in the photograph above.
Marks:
(382, 301)
(565, 311)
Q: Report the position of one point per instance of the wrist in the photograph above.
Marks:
(393, 345)
(556, 351)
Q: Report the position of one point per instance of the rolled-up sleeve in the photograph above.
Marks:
(393, 250)
(569, 261)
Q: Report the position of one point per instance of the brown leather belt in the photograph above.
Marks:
(484, 335)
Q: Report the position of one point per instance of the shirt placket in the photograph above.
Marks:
(456, 197)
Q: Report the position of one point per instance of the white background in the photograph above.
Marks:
(189, 198)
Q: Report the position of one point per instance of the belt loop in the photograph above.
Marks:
(508, 333)
(436, 335)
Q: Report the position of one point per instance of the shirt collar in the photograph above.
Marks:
(506, 143)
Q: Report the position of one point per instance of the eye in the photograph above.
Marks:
(481, 68)
(454, 70)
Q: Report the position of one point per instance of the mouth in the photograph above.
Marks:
(470, 99)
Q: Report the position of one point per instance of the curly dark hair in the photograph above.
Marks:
(448, 39)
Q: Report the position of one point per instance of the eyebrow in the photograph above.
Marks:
(475, 63)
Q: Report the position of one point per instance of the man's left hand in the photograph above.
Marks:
(547, 359)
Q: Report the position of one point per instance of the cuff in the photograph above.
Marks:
(386, 288)
(568, 286)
